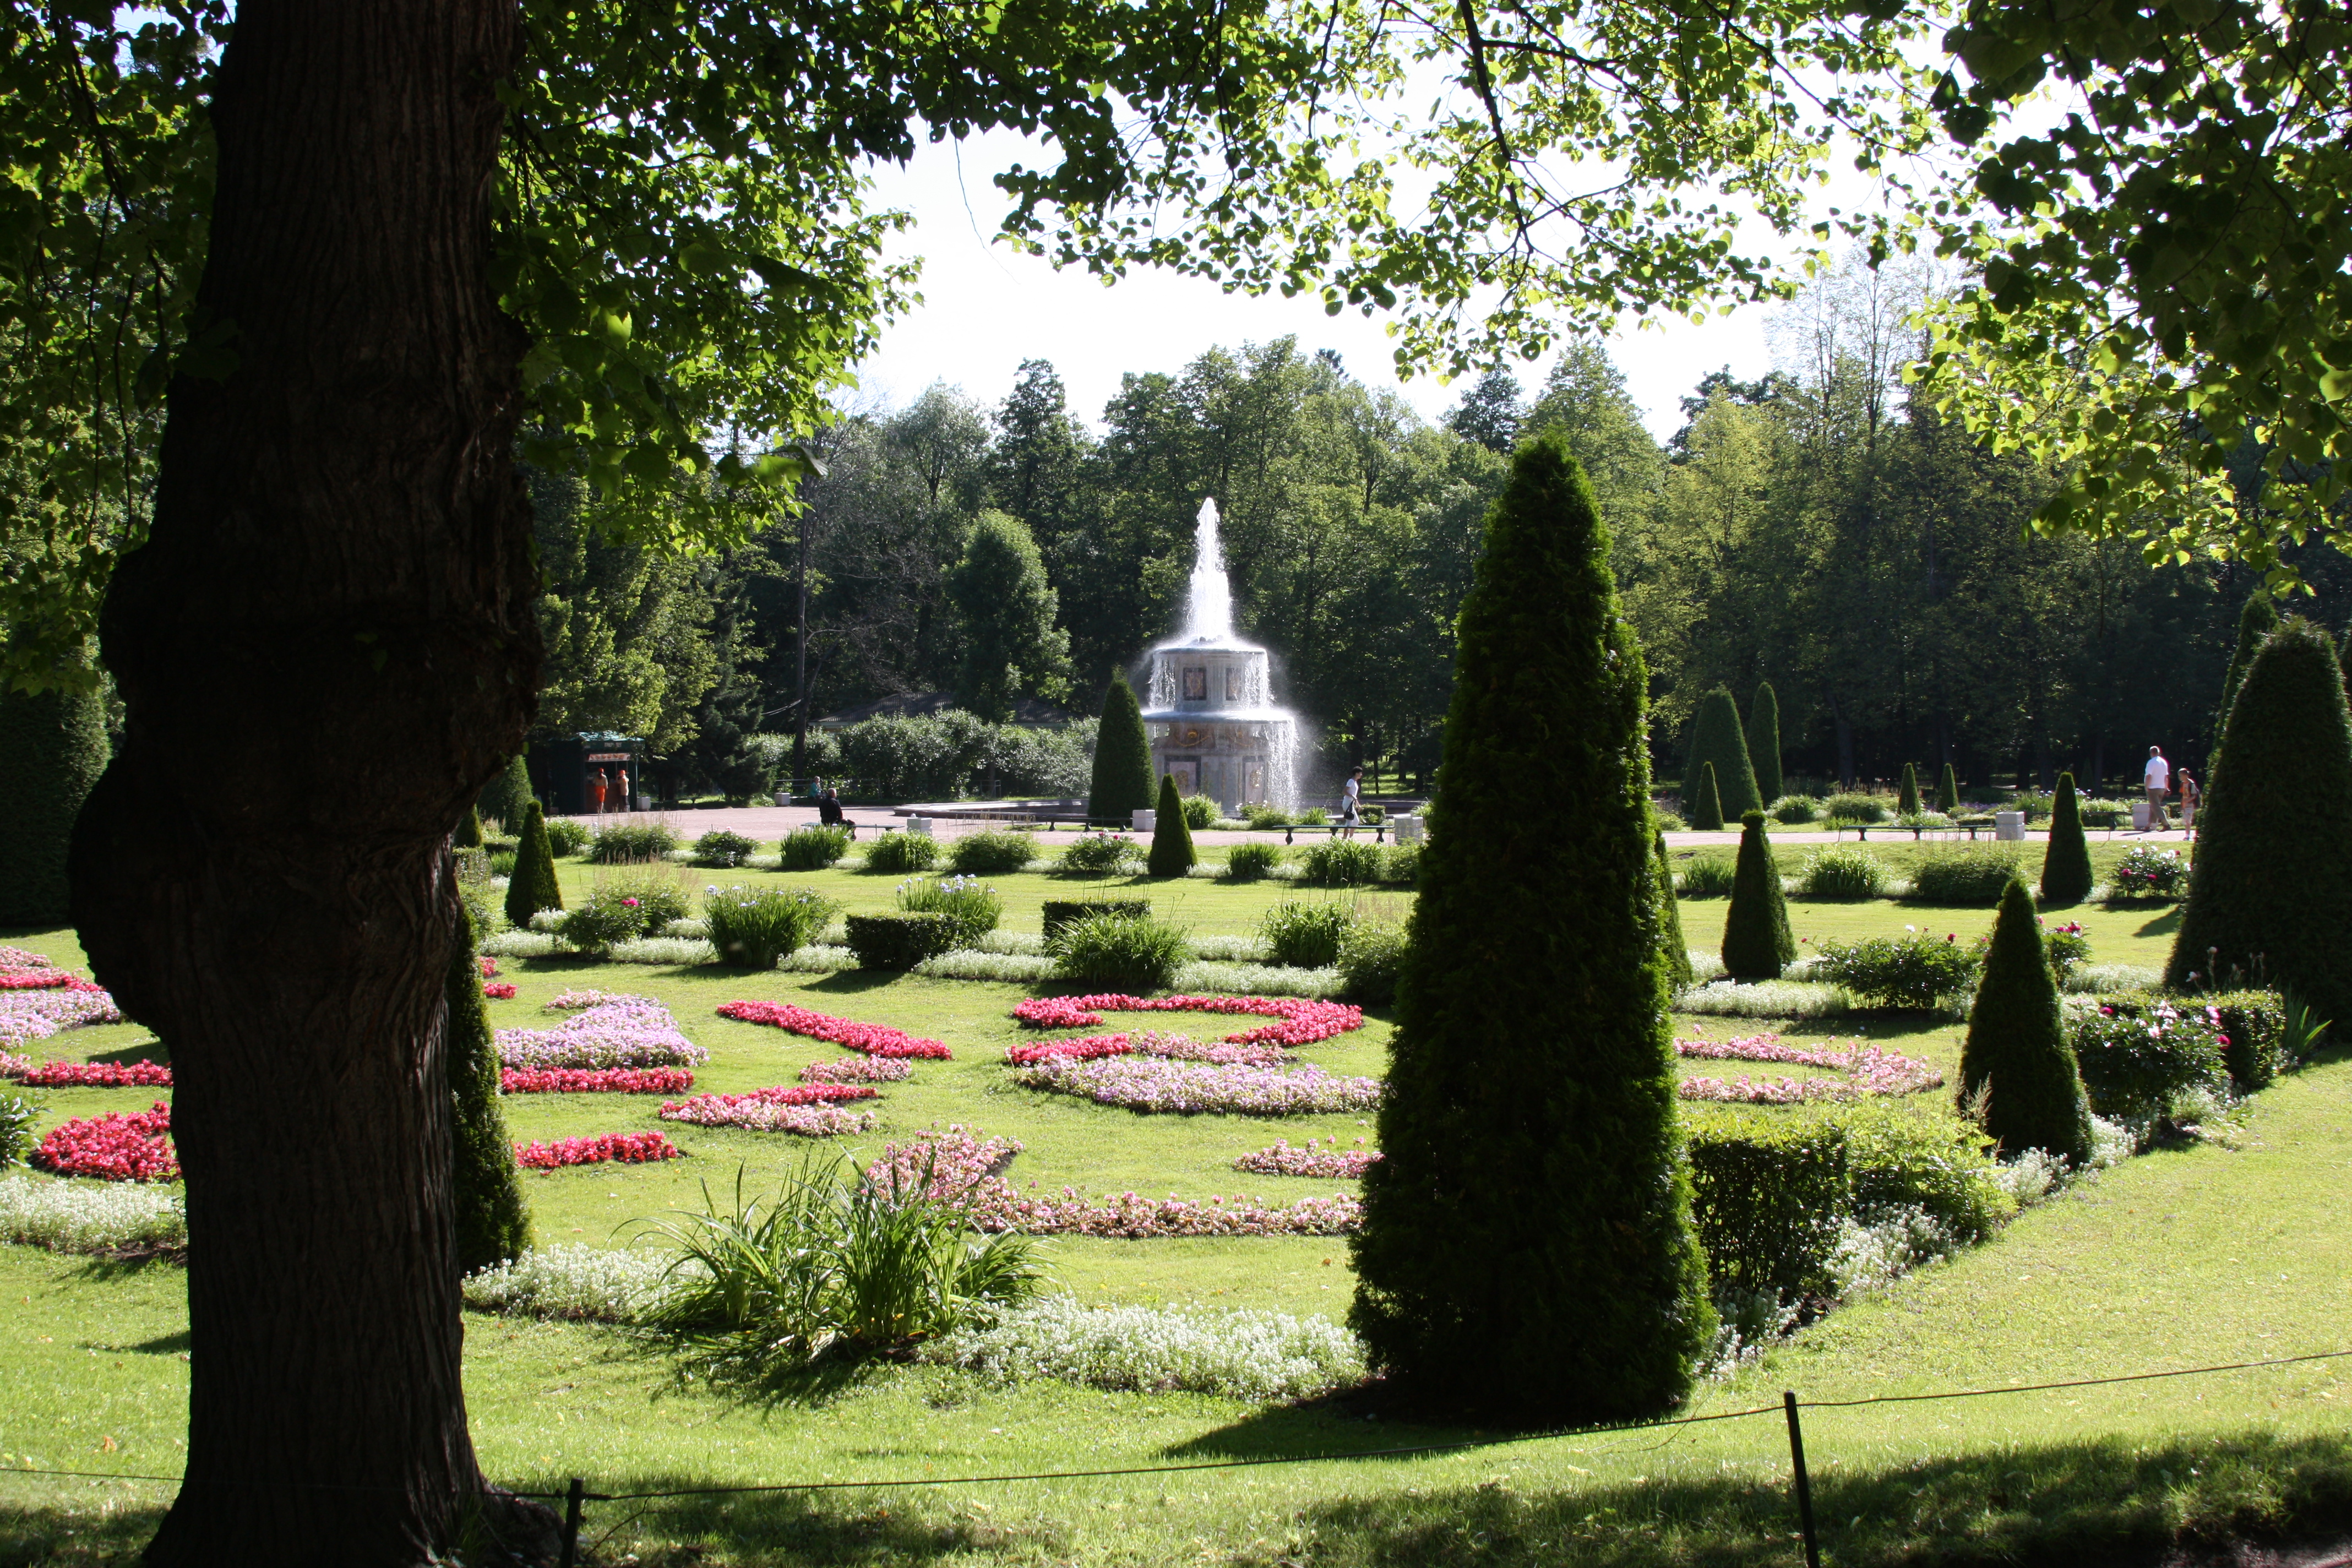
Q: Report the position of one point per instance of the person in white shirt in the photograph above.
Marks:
(1351, 800)
(2158, 780)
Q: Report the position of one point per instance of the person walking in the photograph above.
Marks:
(2158, 778)
(2191, 798)
(626, 803)
(1351, 803)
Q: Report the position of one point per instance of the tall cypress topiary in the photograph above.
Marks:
(1671, 940)
(1704, 803)
(1122, 780)
(1527, 1250)
(2016, 1061)
(1172, 853)
(1947, 792)
(1757, 942)
(2271, 895)
(2256, 620)
(1715, 737)
(533, 886)
(2066, 864)
(493, 1222)
(1906, 799)
(505, 797)
(53, 746)
(1764, 743)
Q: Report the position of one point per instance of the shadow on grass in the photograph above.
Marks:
(108, 1527)
(144, 1051)
(2165, 924)
(850, 981)
(2083, 1505)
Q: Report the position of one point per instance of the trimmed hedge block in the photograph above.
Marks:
(899, 941)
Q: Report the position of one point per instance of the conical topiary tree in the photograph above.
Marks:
(1122, 780)
(1172, 853)
(1764, 744)
(505, 797)
(1704, 803)
(1757, 942)
(533, 887)
(2016, 1064)
(493, 1222)
(1527, 1250)
(1947, 792)
(469, 830)
(2066, 864)
(2271, 898)
(53, 746)
(1715, 737)
(2257, 618)
(1671, 940)
(1906, 799)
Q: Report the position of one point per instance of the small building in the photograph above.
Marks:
(562, 765)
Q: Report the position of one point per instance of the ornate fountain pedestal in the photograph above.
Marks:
(1210, 725)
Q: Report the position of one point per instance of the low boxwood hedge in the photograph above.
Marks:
(899, 941)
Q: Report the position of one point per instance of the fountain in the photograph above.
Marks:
(1209, 714)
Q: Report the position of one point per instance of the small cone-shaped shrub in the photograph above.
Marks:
(1172, 853)
(1527, 1250)
(1716, 738)
(1757, 942)
(53, 746)
(469, 830)
(1947, 792)
(1122, 778)
(1671, 940)
(533, 887)
(493, 1222)
(2271, 900)
(1907, 802)
(2016, 1062)
(2066, 864)
(1764, 744)
(505, 797)
(1705, 804)
(2256, 620)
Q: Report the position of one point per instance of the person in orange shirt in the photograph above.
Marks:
(596, 787)
(626, 803)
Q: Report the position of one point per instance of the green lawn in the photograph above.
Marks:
(2179, 1258)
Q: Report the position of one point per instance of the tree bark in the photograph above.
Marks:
(325, 649)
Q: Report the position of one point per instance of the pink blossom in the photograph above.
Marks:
(874, 1039)
(1282, 1159)
(594, 1080)
(86, 1075)
(114, 1147)
(1303, 1022)
(631, 1148)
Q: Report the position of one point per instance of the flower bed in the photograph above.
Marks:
(874, 1039)
(857, 1069)
(115, 1147)
(1872, 1070)
(609, 1032)
(1092, 1047)
(35, 980)
(498, 990)
(967, 1169)
(1158, 1084)
(594, 1080)
(22, 958)
(85, 1075)
(1333, 1161)
(28, 1016)
(809, 1110)
(629, 1148)
(1302, 1021)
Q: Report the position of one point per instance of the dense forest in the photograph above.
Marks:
(1815, 528)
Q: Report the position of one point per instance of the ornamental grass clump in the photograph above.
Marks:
(970, 907)
(1233, 1354)
(2066, 863)
(902, 852)
(1912, 972)
(1342, 863)
(1757, 942)
(1842, 872)
(755, 927)
(1796, 810)
(1709, 875)
(1854, 807)
(533, 887)
(1172, 853)
(565, 837)
(723, 848)
(1533, 1007)
(1199, 812)
(1964, 876)
(1251, 862)
(1305, 935)
(2017, 1074)
(814, 847)
(1101, 854)
(994, 854)
(1131, 951)
(1371, 958)
(2271, 896)
(627, 842)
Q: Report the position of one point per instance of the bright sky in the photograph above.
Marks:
(986, 308)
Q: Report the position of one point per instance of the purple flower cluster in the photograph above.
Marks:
(1157, 1083)
(30, 1016)
(1870, 1070)
(858, 1070)
(611, 1032)
(1330, 1161)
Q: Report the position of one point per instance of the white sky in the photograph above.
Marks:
(985, 309)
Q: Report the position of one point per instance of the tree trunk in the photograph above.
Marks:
(325, 649)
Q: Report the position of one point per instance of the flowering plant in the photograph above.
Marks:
(2148, 872)
(1303, 1022)
(1091, 1048)
(26, 1015)
(805, 1109)
(114, 1147)
(857, 1069)
(1282, 1159)
(489, 966)
(85, 1075)
(610, 1032)
(874, 1039)
(1871, 1069)
(594, 1080)
(35, 980)
(499, 989)
(1152, 1083)
(630, 1147)
(19, 958)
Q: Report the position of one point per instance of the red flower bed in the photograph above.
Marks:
(35, 980)
(1084, 1048)
(630, 1147)
(1303, 1022)
(489, 966)
(116, 1147)
(874, 1039)
(499, 989)
(594, 1080)
(96, 1075)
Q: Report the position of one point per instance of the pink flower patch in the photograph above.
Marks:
(874, 1039)
(89, 1074)
(113, 1147)
(1302, 1021)
(629, 1148)
(594, 1080)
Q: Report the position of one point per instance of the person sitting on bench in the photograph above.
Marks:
(828, 812)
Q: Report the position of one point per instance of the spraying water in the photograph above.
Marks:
(1209, 608)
